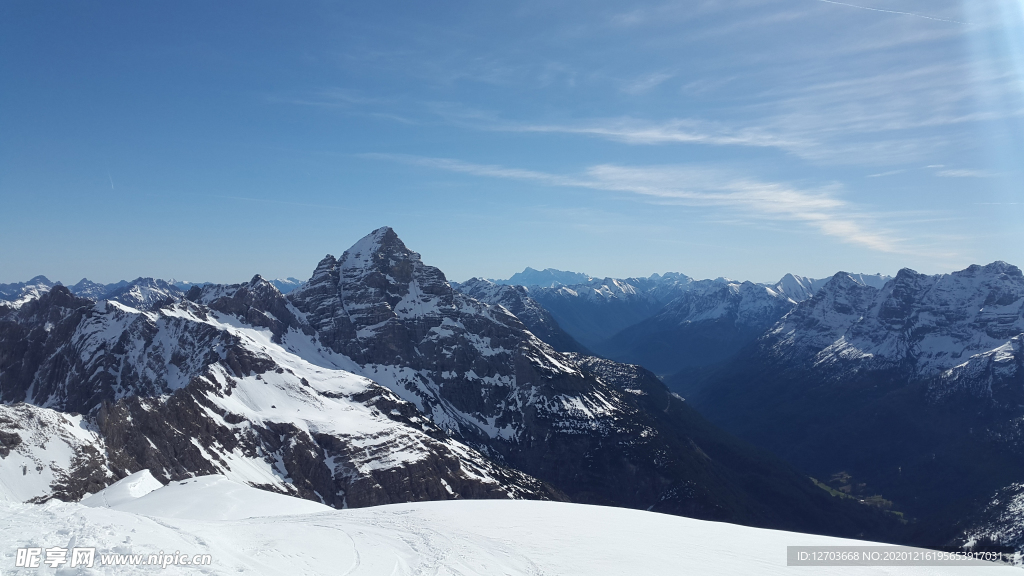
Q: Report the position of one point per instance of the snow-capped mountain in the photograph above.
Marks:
(516, 299)
(17, 294)
(547, 278)
(143, 293)
(800, 288)
(94, 290)
(927, 324)
(595, 311)
(914, 388)
(286, 285)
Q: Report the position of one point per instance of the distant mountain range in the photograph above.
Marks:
(373, 382)
(139, 292)
(379, 381)
(547, 278)
(668, 323)
(913, 391)
(903, 392)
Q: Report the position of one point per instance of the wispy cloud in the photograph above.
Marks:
(819, 209)
(889, 173)
(963, 174)
(894, 12)
(687, 131)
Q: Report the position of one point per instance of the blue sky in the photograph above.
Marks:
(745, 138)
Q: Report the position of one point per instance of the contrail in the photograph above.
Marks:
(894, 12)
(111, 181)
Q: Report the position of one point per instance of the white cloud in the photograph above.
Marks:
(963, 174)
(685, 131)
(819, 209)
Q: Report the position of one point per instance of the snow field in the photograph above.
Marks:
(464, 537)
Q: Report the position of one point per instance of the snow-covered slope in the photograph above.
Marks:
(45, 453)
(466, 538)
(212, 497)
(125, 490)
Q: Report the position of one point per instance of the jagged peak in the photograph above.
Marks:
(997, 267)
(906, 274)
(843, 281)
(381, 248)
(381, 238)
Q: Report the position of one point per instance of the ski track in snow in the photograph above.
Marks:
(482, 537)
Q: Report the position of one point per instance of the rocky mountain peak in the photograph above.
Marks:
(381, 250)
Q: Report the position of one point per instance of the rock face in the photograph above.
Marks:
(915, 388)
(516, 299)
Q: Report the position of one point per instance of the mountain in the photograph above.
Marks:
(704, 324)
(547, 278)
(143, 293)
(18, 293)
(709, 323)
(215, 386)
(93, 290)
(286, 285)
(600, 433)
(597, 310)
(1000, 522)
(517, 300)
(914, 390)
(800, 288)
(374, 382)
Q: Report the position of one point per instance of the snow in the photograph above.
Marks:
(50, 442)
(939, 321)
(246, 531)
(212, 497)
(124, 491)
